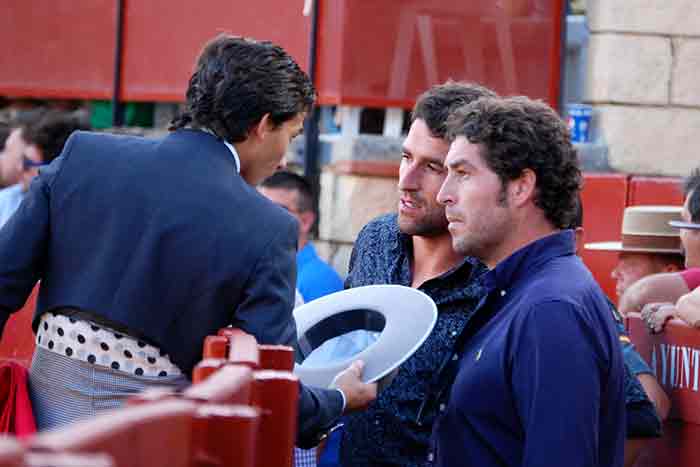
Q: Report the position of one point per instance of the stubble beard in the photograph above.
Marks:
(432, 224)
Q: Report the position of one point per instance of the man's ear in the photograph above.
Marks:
(262, 128)
(522, 189)
(306, 220)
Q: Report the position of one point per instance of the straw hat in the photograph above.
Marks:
(646, 229)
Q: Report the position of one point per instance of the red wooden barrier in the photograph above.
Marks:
(11, 452)
(604, 199)
(61, 48)
(132, 436)
(277, 394)
(231, 384)
(276, 357)
(654, 190)
(385, 53)
(215, 347)
(243, 348)
(675, 357)
(380, 53)
(224, 435)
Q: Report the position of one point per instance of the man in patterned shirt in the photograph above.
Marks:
(414, 249)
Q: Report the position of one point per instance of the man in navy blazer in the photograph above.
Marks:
(158, 243)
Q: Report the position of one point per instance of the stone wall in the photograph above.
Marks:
(643, 81)
(352, 194)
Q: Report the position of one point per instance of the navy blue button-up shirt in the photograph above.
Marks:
(395, 429)
(540, 377)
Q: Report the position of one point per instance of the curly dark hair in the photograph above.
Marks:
(517, 133)
(690, 188)
(50, 130)
(436, 104)
(237, 81)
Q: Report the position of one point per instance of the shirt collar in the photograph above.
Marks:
(529, 257)
(235, 155)
(228, 145)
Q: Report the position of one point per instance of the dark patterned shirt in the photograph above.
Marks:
(390, 432)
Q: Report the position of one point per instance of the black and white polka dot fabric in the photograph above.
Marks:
(97, 345)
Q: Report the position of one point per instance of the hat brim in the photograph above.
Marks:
(618, 246)
(684, 225)
(409, 315)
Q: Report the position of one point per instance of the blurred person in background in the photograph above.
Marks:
(33, 144)
(667, 296)
(292, 192)
(5, 130)
(648, 245)
(666, 288)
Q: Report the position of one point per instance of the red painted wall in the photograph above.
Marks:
(371, 53)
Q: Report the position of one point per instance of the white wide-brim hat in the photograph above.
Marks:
(404, 317)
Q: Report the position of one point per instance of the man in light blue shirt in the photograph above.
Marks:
(315, 277)
(33, 144)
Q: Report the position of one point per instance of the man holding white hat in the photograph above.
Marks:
(414, 248)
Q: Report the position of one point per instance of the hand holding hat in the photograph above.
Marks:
(358, 395)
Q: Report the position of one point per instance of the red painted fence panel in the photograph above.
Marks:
(57, 48)
(675, 357)
(386, 52)
(655, 190)
(604, 198)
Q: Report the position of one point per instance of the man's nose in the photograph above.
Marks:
(282, 163)
(409, 178)
(444, 196)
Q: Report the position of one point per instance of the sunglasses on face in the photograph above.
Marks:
(27, 163)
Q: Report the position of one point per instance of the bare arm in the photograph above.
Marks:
(664, 287)
(656, 394)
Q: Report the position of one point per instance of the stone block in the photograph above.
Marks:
(365, 147)
(685, 89)
(651, 140)
(671, 17)
(348, 202)
(629, 69)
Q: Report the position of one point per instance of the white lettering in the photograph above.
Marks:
(664, 368)
(685, 371)
(696, 363)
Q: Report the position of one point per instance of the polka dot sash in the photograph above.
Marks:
(97, 345)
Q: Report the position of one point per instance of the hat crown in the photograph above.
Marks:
(651, 221)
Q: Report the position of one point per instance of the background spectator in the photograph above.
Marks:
(33, 144)
(315, 278)
(648, 245)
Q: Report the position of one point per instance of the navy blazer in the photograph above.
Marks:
(163, 239)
